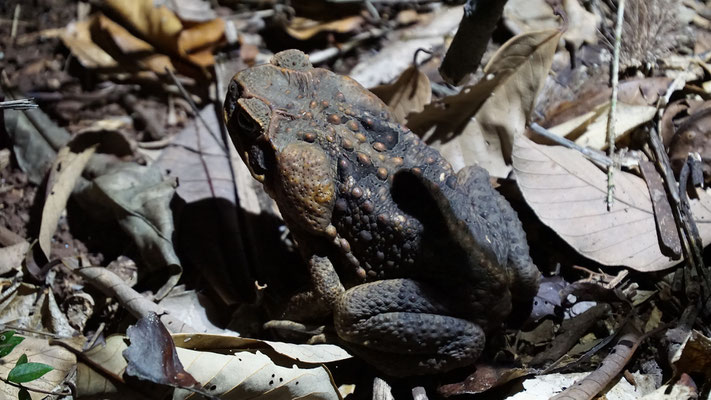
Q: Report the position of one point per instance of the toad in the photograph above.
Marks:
(416, 262)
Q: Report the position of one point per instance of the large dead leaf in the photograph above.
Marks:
(77, 37)
(11, 257)
(567, 192)
(479, 124)
(408, 94)
(65, 172)
(138, 198)
(246, 375)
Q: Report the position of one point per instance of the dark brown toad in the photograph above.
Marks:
(416, 261)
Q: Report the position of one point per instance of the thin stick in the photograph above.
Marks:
(613, 101)
(19, 104)
(15, 19)
(196, 110)
(593, 155)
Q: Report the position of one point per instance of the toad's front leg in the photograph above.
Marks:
(404, 327)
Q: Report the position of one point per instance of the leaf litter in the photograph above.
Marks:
(184, 209)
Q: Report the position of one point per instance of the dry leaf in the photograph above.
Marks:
(479, 124)
(65, 172)
(396, 54)
(11, 257)
(567, 193)
(590, 129)
(532, 15)
(306, 353)
(133, 49)
(156, 24)
(108, 356)
(249, 375)
(304, 28)
(77, 37)
(408, 94)
(38, 350)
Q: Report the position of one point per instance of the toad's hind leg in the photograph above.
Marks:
(402, 327)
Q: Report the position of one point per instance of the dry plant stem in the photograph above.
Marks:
(613, 101)
(570, 331)
(593, 155)
(320, 56)
(196, 110)
(19, 104)
(610, 367)
(15, 19)
(683, 219)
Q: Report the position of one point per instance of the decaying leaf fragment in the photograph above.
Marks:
(479, 124)
(408, 94)
(567, 193)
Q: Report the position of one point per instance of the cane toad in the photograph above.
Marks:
(415, 261)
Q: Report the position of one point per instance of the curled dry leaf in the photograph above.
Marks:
(77, 37)
(65, 172)
(304, 28)
(567, 192)
(152, 355)
(694, 355)
(479, 124)
(408, 94)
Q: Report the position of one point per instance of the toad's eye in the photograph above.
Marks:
(247, 125)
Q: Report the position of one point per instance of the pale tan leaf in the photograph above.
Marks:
(398, 50)
(532, 15)
(77, 37)
(567, 193)
(408, 94)
(11, 257)
(247, 375)
(479, 124)
(308, 353)
(590, 129)
(67, 168)
(303, 28)
(109, 357)
(40, 351)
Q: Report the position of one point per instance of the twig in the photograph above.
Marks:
(594, 156)
(613, 101)
(15, 19)
(610, 367)
(320, 56)
(196, 110)
(20, 104)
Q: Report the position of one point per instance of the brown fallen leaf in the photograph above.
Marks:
(65, 172)
(152, 355)
(408, 94)
(479, 124)
(567, 193)
(132, 49)
(77, 37)
(305, 28)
